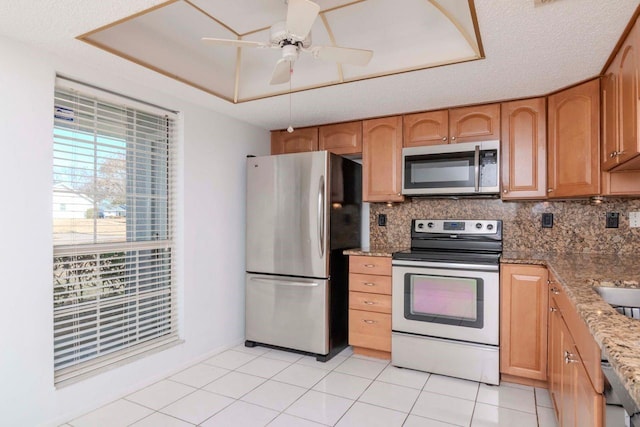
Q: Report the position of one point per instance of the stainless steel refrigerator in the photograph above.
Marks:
(303, 210)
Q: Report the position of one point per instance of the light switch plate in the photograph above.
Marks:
(634, 219)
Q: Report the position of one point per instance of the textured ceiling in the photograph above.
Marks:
(528, 51)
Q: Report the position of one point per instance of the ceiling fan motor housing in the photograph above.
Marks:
(279, 36)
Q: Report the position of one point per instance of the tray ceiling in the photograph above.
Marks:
(167, 38)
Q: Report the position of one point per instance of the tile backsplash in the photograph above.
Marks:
(578, 226)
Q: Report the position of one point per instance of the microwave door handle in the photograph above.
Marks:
(476, 162)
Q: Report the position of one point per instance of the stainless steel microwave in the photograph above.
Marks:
(469, 168)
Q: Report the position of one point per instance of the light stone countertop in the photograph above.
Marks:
(385, 251)
(617, 335)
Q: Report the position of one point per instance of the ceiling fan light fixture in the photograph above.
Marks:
(290, 52)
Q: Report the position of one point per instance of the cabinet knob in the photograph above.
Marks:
(505, 191)
(453, 138)
(444, 138)
(553, 309)
(555, 291)
(549, 190)
(612, 154)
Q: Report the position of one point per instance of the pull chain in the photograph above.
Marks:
(290, 128)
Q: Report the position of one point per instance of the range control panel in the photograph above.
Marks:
(457, 226)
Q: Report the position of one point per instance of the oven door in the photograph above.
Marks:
(451, 301)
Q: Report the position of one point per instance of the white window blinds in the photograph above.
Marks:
(113, 206)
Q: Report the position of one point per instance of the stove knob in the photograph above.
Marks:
(420, 225)
(430, 225)
(489, 226)
(478, 225)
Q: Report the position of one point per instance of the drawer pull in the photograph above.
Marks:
(368, 284)
(369, 265)
(555, 291)
(369, 322)
(553, 309)
(369, 302)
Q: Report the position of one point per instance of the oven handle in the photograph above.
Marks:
(446, 265)
(476, 163)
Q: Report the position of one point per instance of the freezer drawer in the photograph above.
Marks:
(288, 312)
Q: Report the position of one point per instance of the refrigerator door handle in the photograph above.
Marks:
(321, 216)
(286, 282)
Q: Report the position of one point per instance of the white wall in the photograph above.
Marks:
(210, 239)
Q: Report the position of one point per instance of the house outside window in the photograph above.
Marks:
(113, 280)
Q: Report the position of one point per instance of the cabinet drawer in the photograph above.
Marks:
(370, 265)
(370, 330)
(370, 302)
(370, 283)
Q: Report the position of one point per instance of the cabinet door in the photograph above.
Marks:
(524, 149)
(609, 93)
(588, 403)
(430, 128)
(300, 140)
(478, 123)
(381, 159)
(629, 146)
(523, 328)
(574, 144)
(342, 138)
(554, 356)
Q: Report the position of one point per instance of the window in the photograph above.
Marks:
(113, 284)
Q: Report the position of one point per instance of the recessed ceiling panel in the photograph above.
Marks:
(417, 35)
(245, 16)
(168, 40)
(410, 35)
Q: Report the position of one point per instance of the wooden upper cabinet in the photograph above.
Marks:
(524, 149)
(477, 123)
(609, 98)
(382, 160)
(430, 128)
(629, 63)
(298, 141)
(574, 142)
(523, 328)
(341, 138)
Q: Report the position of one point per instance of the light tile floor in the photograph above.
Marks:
(257, 386)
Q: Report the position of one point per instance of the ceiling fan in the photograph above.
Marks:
(293, 36)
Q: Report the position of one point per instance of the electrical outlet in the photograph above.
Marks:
(634, 219)
(547, 220)
(612, 219)
(382, 220)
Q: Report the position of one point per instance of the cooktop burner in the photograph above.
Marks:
(454, 241)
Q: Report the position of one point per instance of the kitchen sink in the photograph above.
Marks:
(625, 300)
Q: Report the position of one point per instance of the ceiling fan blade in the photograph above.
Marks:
(281, 73)
(342, 55)
(233, 43)
(300, 17)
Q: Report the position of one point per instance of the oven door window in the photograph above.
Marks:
(444, 299)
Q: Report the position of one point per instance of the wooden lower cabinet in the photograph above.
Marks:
(370, 305)
(576, 393)
(523, 326)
